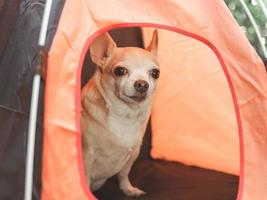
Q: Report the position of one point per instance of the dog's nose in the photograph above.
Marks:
(141, 86)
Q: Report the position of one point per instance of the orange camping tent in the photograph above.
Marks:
(210, 106)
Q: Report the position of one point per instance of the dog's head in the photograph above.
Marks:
(129, 73)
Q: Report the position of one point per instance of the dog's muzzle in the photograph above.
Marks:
(141, 88)
(140, 94)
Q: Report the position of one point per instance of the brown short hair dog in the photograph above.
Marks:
(116, 107)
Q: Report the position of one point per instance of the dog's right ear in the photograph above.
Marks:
(101, 48)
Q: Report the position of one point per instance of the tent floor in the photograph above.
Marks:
(163, 180)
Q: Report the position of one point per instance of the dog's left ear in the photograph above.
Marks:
(153, 46)
(101, 48)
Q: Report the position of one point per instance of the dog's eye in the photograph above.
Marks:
(120, 71)
(155, 73)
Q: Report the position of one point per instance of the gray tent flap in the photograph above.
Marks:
(20, 25)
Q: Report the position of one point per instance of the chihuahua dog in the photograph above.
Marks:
(116, 106)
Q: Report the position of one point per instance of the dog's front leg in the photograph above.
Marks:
(123, 176)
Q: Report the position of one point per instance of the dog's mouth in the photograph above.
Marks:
(137, 98)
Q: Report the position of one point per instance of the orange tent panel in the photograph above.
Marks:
(228, 60)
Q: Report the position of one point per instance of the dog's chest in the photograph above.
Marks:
(115, 146)
(128, 132)
(109, 161)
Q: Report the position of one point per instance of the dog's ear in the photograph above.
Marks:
(101, 48)
(153, 46)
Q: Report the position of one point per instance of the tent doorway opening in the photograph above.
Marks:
(191, 149)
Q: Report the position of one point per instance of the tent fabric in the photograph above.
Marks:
(201, 117)
(20, 24)
(8, 14)
(211, 24)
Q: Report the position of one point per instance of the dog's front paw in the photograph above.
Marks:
(133, 191)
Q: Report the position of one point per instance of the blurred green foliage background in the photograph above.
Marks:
(243, 20)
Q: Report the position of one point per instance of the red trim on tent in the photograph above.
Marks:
(177, 30)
